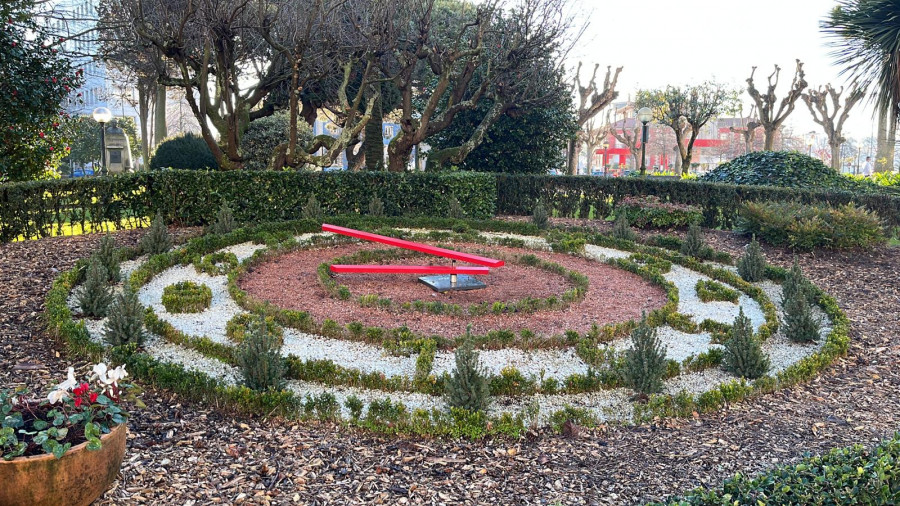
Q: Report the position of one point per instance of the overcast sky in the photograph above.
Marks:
(661, 42)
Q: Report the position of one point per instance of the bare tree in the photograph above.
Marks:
(630, 137)
(832, 121)
(769, 117)
(591, 100)
(748, 128)
(593, 136)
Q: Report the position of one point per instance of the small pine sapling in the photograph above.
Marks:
(259, 357)
(693, 244)
(96, 295)
(454, 208)
(126, 320)
(540, 217)
(752, 265)
(645, 362)
(794, 282)
(109, 258)
(312, 210)
(622, 229)
(800, 324)
(157, 239)
(224, 222)
(743, 352)
(376, 207)
(467, 387)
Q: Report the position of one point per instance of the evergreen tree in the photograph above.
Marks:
(157, 239)
(376, 206)
(752, 265)
(645, 361)
(109, 258)
(693, 242)
(312, 210)
(259, 357)
(467, 387)
(540, 217)
(622, 229)
(743, 352)
(126, 320)
(794, 283)
(224, 222)
(800, 325)
(95, 295)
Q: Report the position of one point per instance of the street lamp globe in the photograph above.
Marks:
(644, 115)
(102, 115)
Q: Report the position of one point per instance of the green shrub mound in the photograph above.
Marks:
(788, 169)
(622, 228)
(187, 151)
(693, 244)
(743, 351)
(259, 357)
(96, 295)
(651, 211)
(844, 476)
(186, 297)
(645, 362)
(236, 329)
(109, 257)
(752, 264)
(216, 264)
(157, 239)
(125, 324)
(467, 387)
(807, 227)
(264, 135)
(540, 217)
(224, 222)
(710, 291)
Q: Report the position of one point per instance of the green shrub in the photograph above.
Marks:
(157, 239)
(186, 297)
(650, 211)
(264, 135)
(355, 405)
(125, 324)
(540, 217)
(800, 324)
(237, 327)
(564, 242)
(454, 208)
(752, 264)
(96, 295)
(807, 227)
(709, 291)
(259, 358)
(224, 222)
(622, 229)
(109, 257)
(467, 386)
(645, 362)
(743, 352)
(796, 285)
(693, 244)
(186, 151)
(312, 210)
(376, 207)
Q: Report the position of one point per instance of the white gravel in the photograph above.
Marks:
(348, 354)
(558, 364)
(723, 312)
(243, 250)
(602, 254)
(679, 345)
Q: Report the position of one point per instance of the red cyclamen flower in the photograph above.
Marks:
(77, 402)
(93, 397)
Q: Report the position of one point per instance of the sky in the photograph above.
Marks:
(660, 42)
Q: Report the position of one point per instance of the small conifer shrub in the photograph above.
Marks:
(622, 229)
(800, 324)
(752, 265)
(794, 283)
(467, 387)
(157, 239)
(237, 327)
(454, 208)
(645, 362)
(743, 352)
(540, 217)
(224, 222)
(693, 244)
(125, 324)
(109, 257)
(376, 207)
(259, 358)
(96, 295)
(312, 210)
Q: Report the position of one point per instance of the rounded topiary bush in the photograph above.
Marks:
(186, 297)
(187, 151)
(265, 134)
(788, 169)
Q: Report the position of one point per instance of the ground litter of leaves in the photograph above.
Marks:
(187, 453)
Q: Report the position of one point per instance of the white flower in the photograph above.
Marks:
(116, 374)
(100, 370)
(70, 382)
(57, 395)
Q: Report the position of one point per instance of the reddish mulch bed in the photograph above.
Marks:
(290, 281)
(191, 454)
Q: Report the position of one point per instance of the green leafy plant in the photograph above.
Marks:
(312, 210)
(109, 257)
(564, 242)
(186, 297)
(467, 387)
(157, 239)
(800, 324)
(650, 211)
(224, 222)
(743, 352)
(622, 229)
(125, 324)
(752, 264)
(259, 357)
(237, 327)
(186, 151)
(693, 244)
(376, 207)
(645, 362)
(95, 295)
(264, 135)
(454, 208)
(710, 291)
(796, 285)
(805, 227)
(540, 217)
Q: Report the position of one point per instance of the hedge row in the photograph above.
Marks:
(43, 208)
(580, 196)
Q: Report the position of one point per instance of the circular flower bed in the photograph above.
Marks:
(186, 297)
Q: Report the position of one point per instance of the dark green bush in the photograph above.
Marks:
(651, 211)
(224, 222)
(693, 244)
(259, 358)
(237, 327)
(187, 151)
(807, 227)
(376, 207)
(454, 208)
(645, 362)
(312, 210)
(752, 264)
(264, 135)
(800, 324)
(710, 291)
(186, 297)
(743, 352)
(109, 257)
(95, 295)
(540, 217)
(157, 239)
(467, 387)
(622, 229)
(125, 324)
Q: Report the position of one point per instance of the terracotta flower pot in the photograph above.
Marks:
(76, 479)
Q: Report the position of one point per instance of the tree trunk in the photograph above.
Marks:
(770, 139)
(399, 151)
(144, 118)
(571, 157)
(836, 157)
(590, 159)
(677, 159)
(891, 145)
(373, 143)
(160, 131)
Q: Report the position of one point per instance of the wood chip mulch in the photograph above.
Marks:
(190, 454)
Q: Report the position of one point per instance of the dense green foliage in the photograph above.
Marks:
(783, 168)
(844, 476)
(645, 362)
(693, 244)
(800, 324)
(467, 388)
(109, 258)
(224, 220)
(186, 151)
(743, 351)
(237, 327)
(35, 85)
(96, 295)
(807, 227)
(157, 239)
(265, 134)
(125, 324)
(709, 291)
(376, 207)
(312, 210)
(186, 297)
(622, 229)
(259, 357)
(651, 211)
(752, 264)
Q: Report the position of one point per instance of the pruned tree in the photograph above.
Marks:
(630, 137)
(592, 98)
(686, 110)
(771, 113)
(827, 110)
(592, 136)
(748, 128)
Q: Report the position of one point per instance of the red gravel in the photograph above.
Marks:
(291, 282)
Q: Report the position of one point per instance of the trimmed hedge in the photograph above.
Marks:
(42, 208)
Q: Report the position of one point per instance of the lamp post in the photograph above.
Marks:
(644, 115)
(102, 115)
(812, 138)
(605, 147)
